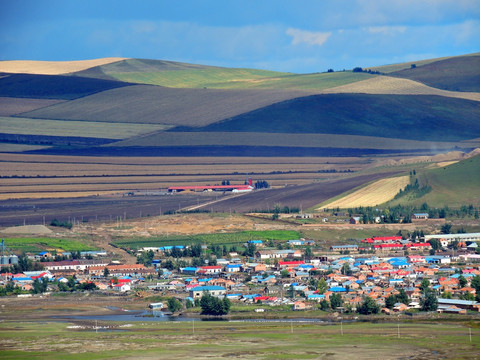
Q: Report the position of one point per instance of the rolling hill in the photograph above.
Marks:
(207, 110)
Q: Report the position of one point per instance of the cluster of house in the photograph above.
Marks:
(278, 277)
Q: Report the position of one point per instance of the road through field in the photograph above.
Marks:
(301, 196)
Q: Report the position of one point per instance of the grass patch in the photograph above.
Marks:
(36, 244)
(237, 238)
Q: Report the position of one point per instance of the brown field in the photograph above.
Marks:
(52, 67)
(12, 106)
(398, 86)
(157, 105)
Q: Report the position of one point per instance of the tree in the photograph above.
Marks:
(174, 305)
(424, 285)
(429, 302)
(284, 273)
(308, 253)
(435, 244)
(446, 228)
(346, 269)
(214, 306)
(106, 272)
(324, 305)
(475, 283)
(336, 301)
(462, 282)
(357, 69)
(369, 306)
(390, 301)
(402, 297)
(322, 286)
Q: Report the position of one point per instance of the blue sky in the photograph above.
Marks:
(295, 36)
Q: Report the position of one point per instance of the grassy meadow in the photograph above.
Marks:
(27, 244)
(228, 239)
(245, 340)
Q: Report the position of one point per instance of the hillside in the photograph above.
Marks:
(430, 118)
(200, 110)
(454, 74)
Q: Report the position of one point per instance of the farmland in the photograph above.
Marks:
(46, 244)
(158, 105)
(373, 194)
(29, 126)
(228, 239)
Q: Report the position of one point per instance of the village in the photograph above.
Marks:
(386, 274)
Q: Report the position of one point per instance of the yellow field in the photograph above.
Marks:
(396, 86)
(52, 67)
(373, 194)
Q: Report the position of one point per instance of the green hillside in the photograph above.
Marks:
(454, 185)
(413, 117)
(180, 75)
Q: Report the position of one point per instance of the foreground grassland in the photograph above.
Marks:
(245, 340)
(92, 129)
(373, 194)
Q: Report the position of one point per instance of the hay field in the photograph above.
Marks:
(398, 86)
(27, 126)
(52, 67)
(373, 194)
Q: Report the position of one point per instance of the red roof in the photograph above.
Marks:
(211, 187)
(382, 238)
(211, 267)
(382, 246)
(418, 245)
(291, 263)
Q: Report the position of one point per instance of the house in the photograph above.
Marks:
(420, 216)
(355, 220)
(198, 291)
(344, 247)
(233, 268)
(299, 305)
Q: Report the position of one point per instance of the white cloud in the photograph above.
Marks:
(308, 37)
(387, 30)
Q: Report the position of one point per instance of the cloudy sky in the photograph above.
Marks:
(296, 36)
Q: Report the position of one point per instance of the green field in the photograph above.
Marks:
(245, 340)
(105, 130)
(225, 78)
(228, 239)
(50, 244)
